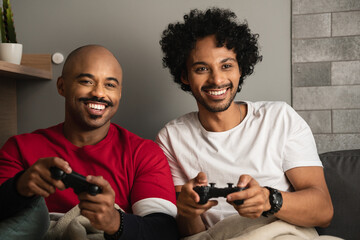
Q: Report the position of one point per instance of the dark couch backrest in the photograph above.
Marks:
(342, 174)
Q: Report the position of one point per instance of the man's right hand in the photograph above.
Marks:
(187, 202)
(37, 179)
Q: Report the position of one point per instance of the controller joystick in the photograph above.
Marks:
(57, 173)
(75, 180)
(207, 192)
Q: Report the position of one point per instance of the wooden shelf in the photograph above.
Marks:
(32, 67)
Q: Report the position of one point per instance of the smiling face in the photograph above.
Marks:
(213, 75)
(91, 84)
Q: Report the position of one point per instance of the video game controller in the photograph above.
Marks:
(75, 180)
(207, 192)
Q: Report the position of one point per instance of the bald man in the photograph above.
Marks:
(127, 168)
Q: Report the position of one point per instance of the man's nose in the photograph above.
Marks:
(98, 91)
(217, 77)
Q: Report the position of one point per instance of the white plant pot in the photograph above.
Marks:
(11, 52)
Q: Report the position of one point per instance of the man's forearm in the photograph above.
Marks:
(156, 226)
(309, 207)
(11, 202)
(189, 226)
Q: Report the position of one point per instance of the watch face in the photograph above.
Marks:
(277, 200)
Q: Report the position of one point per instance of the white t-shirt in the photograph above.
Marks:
(270, 140)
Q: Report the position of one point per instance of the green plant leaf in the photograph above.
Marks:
(2, 27)
(10, 26)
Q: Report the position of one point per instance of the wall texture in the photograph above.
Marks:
(326, 70)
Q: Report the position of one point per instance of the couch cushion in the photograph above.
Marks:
(342, 173)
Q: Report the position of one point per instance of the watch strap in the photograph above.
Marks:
(275, 200)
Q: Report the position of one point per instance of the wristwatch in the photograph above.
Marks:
(276, 201)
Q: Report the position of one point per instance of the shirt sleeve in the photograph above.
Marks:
(11, 201)
(163, 140)
(11, 168)
(10, 160)
(300, 148)
(153, 190)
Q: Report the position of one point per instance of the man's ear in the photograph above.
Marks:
(184, 78)
(120, 92)
(60, 86)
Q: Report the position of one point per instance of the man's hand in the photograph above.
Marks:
(188, 217)
(37, 179)
(187, 202)
(100, 209)
(256, 198)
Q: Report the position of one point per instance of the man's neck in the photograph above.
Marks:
(81, 137)
(222, 121)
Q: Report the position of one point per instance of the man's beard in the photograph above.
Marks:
(95, 116)
(217, 108)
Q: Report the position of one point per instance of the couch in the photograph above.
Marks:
(342, 174)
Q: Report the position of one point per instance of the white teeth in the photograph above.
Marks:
(216, 93)
(96, 106)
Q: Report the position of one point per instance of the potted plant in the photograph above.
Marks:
(10, 50)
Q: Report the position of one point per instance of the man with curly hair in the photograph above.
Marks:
(264, 147)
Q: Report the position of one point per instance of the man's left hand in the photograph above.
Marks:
(256, 198)
(100, 209)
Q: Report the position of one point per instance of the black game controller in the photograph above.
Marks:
(74, 180)
(207, 192)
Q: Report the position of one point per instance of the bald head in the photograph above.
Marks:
(91, 83)
(88, 53)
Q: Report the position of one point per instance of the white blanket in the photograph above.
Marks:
(239, 228)
(72, 226)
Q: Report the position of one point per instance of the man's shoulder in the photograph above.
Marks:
(39, 134)
(31, 141)
(184, 120)
(268, 105)
(278, 112)
(129, 137)
(269, 108)
(123, 132)
(177, 127)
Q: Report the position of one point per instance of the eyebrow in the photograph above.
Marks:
(228, 59)
(92, 77)
(222, 61)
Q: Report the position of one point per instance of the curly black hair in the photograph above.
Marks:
(180, 38)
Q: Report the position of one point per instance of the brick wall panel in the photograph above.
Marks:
(321, 98)
(335, 142)
(326, 70)
(310, 26)
(345, 73)
(312, 74)
(323, 6)
(319, 121)
(346, 121)
(326, 49)
(346, 23)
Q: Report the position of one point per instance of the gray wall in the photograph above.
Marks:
(131, 30)
(326, 70)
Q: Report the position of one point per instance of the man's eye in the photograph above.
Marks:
(227, 66)
(84, 81)
(201, 69)
(111, 85)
